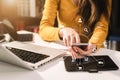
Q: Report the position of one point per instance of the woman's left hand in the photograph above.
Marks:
(77, 52)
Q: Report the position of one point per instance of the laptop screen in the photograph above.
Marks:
(10, 29)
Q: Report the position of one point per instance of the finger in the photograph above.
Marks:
(77, 53)
(77, 38)
(92, 47)
(82, 52)
(78, 49)
(73, 39)
(80, 56)
(72, 53)
(66, 40)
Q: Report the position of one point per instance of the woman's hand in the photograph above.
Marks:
(77, 52)
(69, 36)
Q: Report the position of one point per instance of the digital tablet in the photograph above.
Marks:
(90, 64)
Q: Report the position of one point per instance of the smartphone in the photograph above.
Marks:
(82, 46)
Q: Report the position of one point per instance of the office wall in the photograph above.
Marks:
(29, 8)
(8, 9)
(39, 7)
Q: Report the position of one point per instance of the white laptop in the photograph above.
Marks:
(38, 55)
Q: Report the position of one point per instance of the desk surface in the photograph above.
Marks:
(56, 71)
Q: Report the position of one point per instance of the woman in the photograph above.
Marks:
(79, 21)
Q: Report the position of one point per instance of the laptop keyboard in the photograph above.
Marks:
(27, 55)
(25, 37)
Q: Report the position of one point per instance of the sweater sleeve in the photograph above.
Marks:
(47, 30)
(101, 29)
(100, 32)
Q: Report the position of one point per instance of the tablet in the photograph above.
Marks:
(90, 64)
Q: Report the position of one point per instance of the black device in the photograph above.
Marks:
(92, 64)
(82, 46)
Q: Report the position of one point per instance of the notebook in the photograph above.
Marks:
(90, 64)
(10, 29)
(33, 56)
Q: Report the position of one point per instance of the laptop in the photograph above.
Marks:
(10, 29)
(29, 56)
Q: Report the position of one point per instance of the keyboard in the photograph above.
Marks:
(27, 55)
(25, 37)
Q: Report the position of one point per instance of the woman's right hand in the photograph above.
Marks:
(69, 36)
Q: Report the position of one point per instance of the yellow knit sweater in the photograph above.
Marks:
(65, 11)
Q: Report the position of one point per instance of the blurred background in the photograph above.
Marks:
(26, 8)
(24, 14)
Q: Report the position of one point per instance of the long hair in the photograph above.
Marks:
(91, 11)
